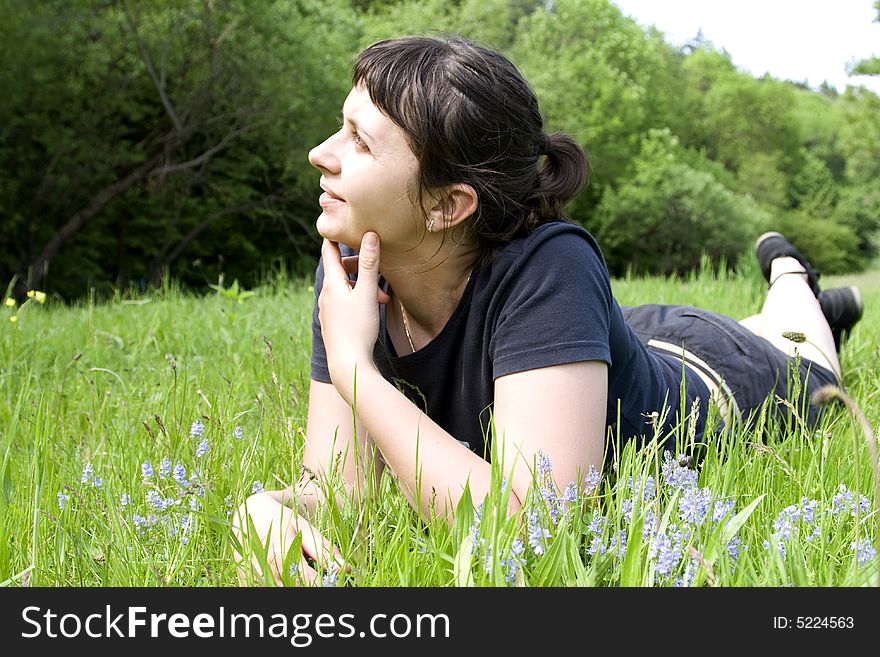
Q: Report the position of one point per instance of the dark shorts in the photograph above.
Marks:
(752, 368)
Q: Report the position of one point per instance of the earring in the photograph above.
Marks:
(430, 225)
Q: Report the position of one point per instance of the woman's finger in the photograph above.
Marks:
(319, 549)
(332, 259)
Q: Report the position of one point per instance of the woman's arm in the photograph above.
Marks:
(557, 410)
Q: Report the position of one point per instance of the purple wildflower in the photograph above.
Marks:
(97, 482)
(63, 500)
(808, 510)
(293, 570)
(202, 449)
(841, 502)
(146, 470)
(864, 551)
(517, 547)
(329, 580)
(180, 475)
(721, 509)
(237, 433)
(257, 487)
(676, 476)
(597, 524)
(693, 505)
(125, 499)
(165, 467)
(87, 473)
(666, 554)
(537, 533)
(785, 524)
(618, 545)
(197, 429)
(195, 504)
(597, 545)
(591, 481)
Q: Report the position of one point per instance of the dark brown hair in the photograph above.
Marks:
(470, 117)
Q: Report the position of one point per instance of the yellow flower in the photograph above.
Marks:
(13, 318)
(40, 296)
(31, 294)
(10, 302)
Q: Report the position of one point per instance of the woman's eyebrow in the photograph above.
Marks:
(359, 129)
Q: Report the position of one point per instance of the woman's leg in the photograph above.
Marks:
(791, 307)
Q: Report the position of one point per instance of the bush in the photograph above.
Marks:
(669, 213)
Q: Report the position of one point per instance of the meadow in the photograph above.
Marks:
(131, 428)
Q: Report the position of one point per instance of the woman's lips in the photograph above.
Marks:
(327, 200)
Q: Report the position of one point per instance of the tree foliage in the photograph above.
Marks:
(139, 138)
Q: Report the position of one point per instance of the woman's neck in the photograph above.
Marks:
(428, 282)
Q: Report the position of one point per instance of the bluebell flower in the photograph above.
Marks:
(864, 506)
(665, 553)
(180, 475)
(545, 465)
(785, 524)
(125, 499)
(202, 448)
(155, 500)
(864, 551)
(677, 477)
(817, 532)
(517, 547)
(139, 522)
(721, 509)
(537, 533)
(693, 505)
(597, 545)
(597, 524)
(475, 527)
(650, 525)
(146, 470)
(512, 567)
(808, 509)
(63, 500)
(841, 502)
(165, 467)
(618, 545)
(329, 580)
(197, 429)
(87, 473)
(648, 488)
(626, 509)
(591, 481)
(734, 548)
(237, 433)
(780, 545)
(257, 487)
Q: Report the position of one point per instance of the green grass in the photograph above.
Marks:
(118, 383)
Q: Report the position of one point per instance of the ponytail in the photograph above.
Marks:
(562, 175)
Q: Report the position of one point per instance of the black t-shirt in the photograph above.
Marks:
(542, 300)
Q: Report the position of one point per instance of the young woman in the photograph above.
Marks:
(479, 313)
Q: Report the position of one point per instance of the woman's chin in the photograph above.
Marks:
(336, 233)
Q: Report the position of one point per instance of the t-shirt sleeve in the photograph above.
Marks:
(318, 366)
(557, 308)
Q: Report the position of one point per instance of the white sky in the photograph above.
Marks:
(798, 40)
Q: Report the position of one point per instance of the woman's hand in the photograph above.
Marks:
(275, 526)
(349, 313)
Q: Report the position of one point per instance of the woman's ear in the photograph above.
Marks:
(452, 205)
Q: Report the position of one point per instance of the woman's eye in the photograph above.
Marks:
(359, 143)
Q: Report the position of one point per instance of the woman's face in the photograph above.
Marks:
(368, 174)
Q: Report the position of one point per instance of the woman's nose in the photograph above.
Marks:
(322, 157)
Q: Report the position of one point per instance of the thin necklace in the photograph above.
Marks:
(406, 326)
(406, 323)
